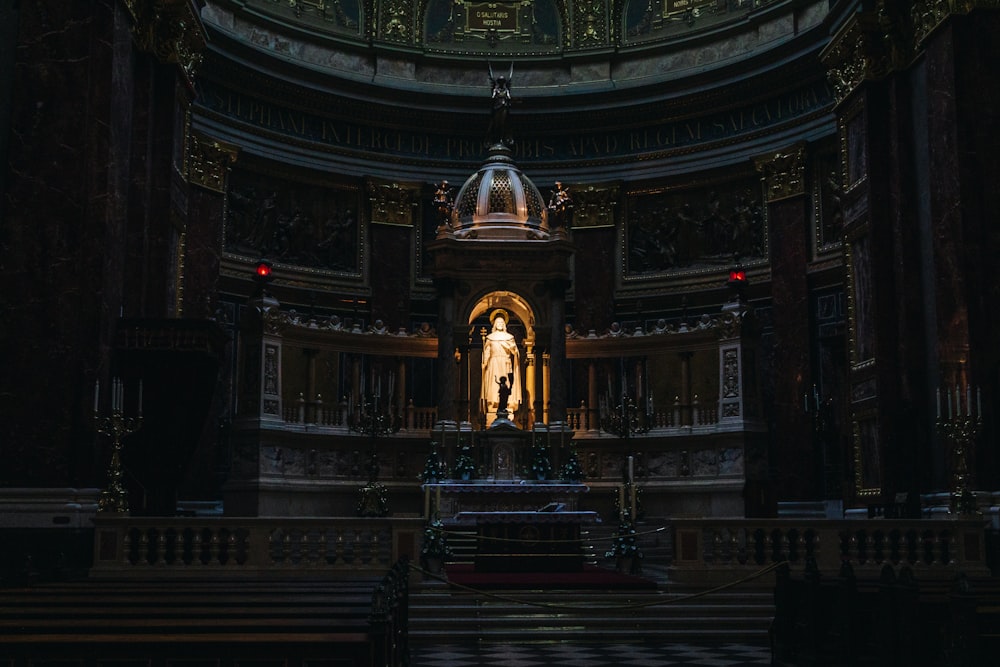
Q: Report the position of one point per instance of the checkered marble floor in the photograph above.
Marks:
(588, 655)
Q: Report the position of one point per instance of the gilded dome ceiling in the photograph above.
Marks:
(500, 202)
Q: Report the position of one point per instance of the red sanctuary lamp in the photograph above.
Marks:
(262, 275)
(738, 283)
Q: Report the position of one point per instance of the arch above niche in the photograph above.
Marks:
(512, 302)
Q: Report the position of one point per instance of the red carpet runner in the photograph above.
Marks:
(591, 577)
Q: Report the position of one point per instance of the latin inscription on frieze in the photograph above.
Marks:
(491, 16)
(569, 144)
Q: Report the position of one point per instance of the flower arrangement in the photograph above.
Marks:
(625, 548)
(541, 466)
(572, 471)
(465, 466)
(434, 549)
(434, 468)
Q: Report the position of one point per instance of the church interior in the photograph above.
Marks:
(352, 301)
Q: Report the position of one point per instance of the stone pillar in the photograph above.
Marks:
(886, 365)
(783, 175)
(447, 386)
(546, 388)
(400, 397)
(529, 380)
(557, 355)
(684, 418)
(593, 421)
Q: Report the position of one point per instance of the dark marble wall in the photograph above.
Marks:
(964, 155)
(594, 290)
(60, 245)
(391, 259)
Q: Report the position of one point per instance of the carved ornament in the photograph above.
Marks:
(171, 30)
(395, 21)
(392, 203)
(860, 51)
(591, 23)
(208, 161)
(783, 173)
(594, 205)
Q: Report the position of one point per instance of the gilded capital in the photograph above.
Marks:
(171, 30)
(783, 172)
(208, 160)
(926, 15)
(860, 51)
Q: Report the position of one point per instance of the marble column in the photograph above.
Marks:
(447, 385)
(783, 174)
(557, 353)
(592, 400)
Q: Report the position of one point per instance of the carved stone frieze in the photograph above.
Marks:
(783, 173)
(171, 30)
(208, 161)
(393, 203)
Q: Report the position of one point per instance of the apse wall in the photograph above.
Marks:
(345, 128)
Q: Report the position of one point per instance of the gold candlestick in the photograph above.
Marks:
(960, 433)
(115, 497)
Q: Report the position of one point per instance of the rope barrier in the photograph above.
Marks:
(589, 607)
(490, 538)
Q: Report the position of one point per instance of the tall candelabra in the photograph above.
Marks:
(960, 428)
(114, 498)
(372, 421)
(628, 418)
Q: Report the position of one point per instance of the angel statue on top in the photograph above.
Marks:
(499, 132)
(501, 369)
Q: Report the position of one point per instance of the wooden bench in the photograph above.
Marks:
(338, 622)
(892, 620)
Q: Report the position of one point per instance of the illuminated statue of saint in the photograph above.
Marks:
(501, 359)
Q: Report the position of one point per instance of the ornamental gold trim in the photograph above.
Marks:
(171, 30)
(783, 173)
(208, 160)
(927, 15)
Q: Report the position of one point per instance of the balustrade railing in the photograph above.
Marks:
(185, 545)
(137, 546)
(927, 546)
(332, 415)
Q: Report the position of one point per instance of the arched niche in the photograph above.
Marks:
(516, 308)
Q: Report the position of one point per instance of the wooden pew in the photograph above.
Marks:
(341, 623)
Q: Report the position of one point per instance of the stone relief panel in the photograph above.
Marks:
(678, 230)
(294, 222)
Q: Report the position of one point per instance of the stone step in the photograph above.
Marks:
(437, 614)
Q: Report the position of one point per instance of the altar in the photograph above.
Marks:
(520, 526)
(548, 540)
